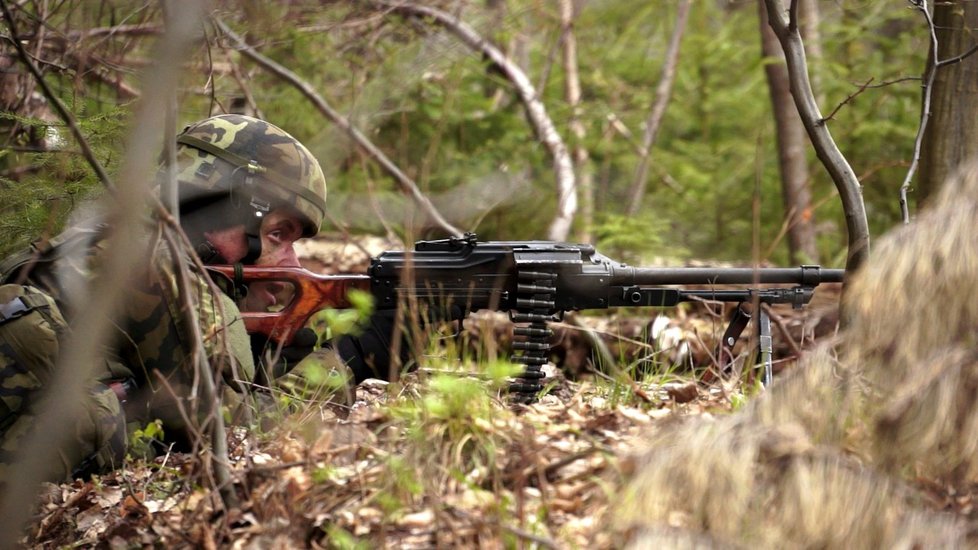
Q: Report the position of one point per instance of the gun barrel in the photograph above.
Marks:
(809, 275)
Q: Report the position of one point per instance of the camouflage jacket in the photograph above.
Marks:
(151, 350)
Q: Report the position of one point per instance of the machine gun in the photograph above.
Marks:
(535, 281)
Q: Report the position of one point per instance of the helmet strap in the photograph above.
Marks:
(254, 250)
(208, 254)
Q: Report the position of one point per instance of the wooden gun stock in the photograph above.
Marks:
(312, 292)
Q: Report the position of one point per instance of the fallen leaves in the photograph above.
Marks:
(547, 481)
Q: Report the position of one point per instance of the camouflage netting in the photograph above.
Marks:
(829, 455)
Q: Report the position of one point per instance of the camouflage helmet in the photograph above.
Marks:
(254, 165)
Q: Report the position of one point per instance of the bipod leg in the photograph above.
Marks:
(724, 353)
(765, 346)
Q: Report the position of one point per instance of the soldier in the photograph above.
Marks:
(248, 191)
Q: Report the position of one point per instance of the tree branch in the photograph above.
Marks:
(924, 112)
(827, 151)
(958, 58)
(536, 111)
(921, 5)
(845, 101)
(407, 184)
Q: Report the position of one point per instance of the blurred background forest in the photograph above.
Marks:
(446, 116)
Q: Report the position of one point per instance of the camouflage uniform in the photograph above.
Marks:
(31, 325)
(149, 364)
(232, 170)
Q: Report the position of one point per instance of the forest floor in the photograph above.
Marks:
(363, 479)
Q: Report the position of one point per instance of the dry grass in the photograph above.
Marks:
(834, 454)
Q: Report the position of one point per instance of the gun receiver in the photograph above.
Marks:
(534, 281)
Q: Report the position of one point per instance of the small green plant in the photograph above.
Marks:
(453, 430)
(330, 323)
(402, 485)
(141, 440)
(342, 539)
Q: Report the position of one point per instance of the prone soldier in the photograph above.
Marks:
(248, 191)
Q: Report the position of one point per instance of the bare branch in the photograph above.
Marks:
(407, 184)
(536, 111)
(662, 94)
(212, 398)
(886, 83)
(924, 112)
(845, 101)
(958, 58)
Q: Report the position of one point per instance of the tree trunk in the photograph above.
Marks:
(792, 145)
(951, 137)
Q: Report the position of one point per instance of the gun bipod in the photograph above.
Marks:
(765, 343)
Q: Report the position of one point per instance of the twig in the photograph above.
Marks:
(957, 58)
(243, 85)
(542, 541)
(69, 503)
(550, 469)
(203, 370)
(619, 127)
(845, 101)
(924, 112)
(138, 29)
(886, 83)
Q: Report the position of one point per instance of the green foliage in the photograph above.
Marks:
(452, 431)
(40, 200)
(344, 540)
(330, 323)
(403, 484)
(631, 239)
(450, 402)
(141, 440)
(446, 117)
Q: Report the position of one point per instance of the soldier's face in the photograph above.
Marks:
(280, 229)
